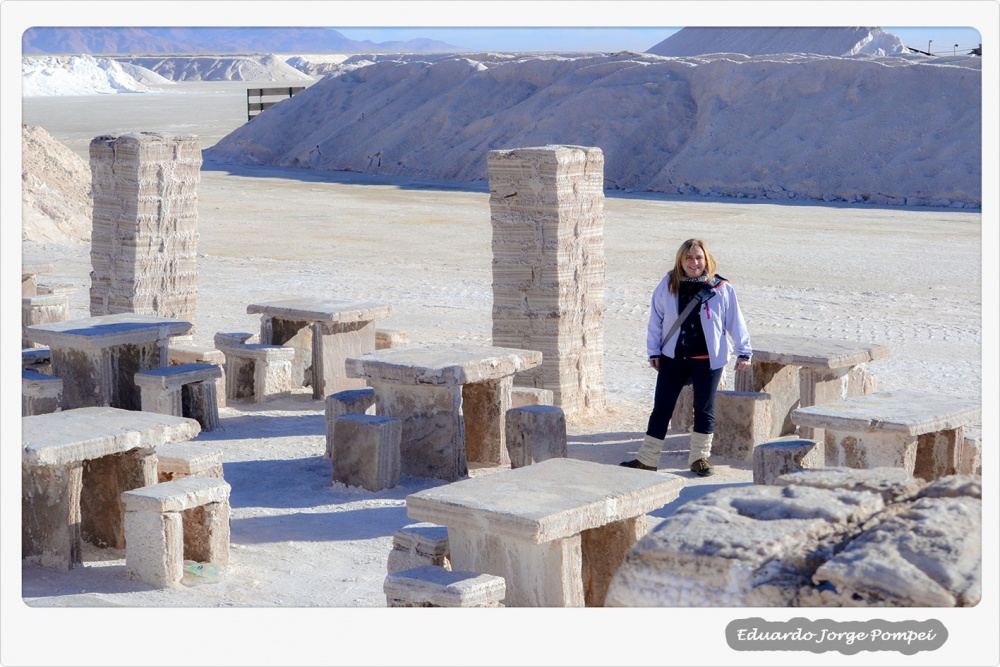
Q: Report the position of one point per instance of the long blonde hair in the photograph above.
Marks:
(677, 275)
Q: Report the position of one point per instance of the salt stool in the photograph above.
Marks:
(40, 393)
(178, 460)
(170, 522)
(742, 421)
(183, 390)
(433, 586)
(682, 419)
(785, 455)
(522, 396)
(42, 308)
(366, 451)
(254, 371)
(347, 402)
(386, 339)
(37, 359)
(197, 354)
(535, 433)
(419, 544)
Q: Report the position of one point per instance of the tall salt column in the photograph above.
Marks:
(547, 211)
(145, 236)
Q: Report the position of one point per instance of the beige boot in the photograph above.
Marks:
(701, 449)
(649, 453)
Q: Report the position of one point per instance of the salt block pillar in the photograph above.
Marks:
(547, 213)
(145, 224)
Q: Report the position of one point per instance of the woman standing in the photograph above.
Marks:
(690, 347)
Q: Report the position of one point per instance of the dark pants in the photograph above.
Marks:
(671, 377)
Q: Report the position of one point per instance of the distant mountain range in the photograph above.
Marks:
(118, 41)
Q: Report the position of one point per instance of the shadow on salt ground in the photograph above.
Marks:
(282, 483)
(304, 482)
(340, 526)
(90, 582)
(252, 427)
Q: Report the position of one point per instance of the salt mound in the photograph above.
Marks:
(260, 67)
(793, 126)
(76, 75)
(57, 205)
(763, 41)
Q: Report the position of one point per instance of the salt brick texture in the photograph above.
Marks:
(145, 224)
(547, 214)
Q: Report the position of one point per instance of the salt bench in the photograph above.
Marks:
(182, 390)
(40, 393)
(29, 276)
(43, 307)
(186, 459)
(75, 465)
(419, 544)
(920, 432)
(785, 455)
(255, 371)
(197, 354)
(535, 433)
(389, 338)
(433, 586)
(524, 396)
(169, 522)
(366, 451)
(36, 359)
(347, 402)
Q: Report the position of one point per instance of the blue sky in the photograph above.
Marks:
(638, 39)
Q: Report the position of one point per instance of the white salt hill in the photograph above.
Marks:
(792, 126)
(763, 41)
(84, 75)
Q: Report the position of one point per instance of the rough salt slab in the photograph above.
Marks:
(930, 555)
(910, 412)
(815, 352)
(545, 501)
(80, 434)
(751, 524)
(891, 484)
(177, 496)
(107, 331)
(442, 364)
(322, 310)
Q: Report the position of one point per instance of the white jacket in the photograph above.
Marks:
(719, 315)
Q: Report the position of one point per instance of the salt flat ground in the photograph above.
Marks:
(909, 278)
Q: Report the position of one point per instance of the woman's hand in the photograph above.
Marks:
(742, 364)
(654, 363)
